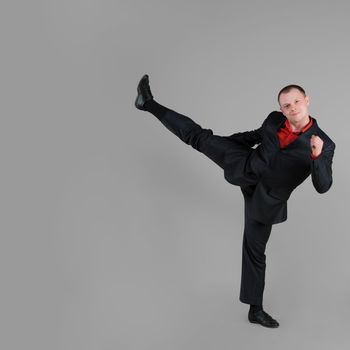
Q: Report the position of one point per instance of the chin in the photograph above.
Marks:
(296, 118)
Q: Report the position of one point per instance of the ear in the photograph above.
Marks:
(307, 99)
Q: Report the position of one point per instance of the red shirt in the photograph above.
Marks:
(286, 135)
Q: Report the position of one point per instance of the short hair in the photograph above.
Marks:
(288, 88)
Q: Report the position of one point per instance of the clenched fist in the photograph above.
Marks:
(316, 144)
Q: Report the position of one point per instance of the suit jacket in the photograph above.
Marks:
(280, 171)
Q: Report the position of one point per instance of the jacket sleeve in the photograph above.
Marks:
(321, 169)
(253, 137)
(248, 138)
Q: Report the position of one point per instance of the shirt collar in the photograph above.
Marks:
(307, 126)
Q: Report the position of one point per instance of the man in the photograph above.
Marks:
(291, 146)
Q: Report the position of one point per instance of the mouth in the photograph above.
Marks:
(294, 114)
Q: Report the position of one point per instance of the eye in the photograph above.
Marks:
(296, 101)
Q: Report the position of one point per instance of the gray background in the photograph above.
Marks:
(114, 234)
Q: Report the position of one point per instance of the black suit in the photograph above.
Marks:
(280, 171)
(266, 174)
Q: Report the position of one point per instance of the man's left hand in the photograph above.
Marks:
(316, 144)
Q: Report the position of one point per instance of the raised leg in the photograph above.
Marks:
(230, 155)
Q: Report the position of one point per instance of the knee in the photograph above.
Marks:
(197, 137)
(254, 248)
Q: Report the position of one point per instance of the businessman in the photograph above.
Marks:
(291, 147)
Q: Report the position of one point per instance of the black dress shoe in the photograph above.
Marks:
(262, 318)
(144, 93)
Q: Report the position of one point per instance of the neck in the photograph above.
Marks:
(298, 126)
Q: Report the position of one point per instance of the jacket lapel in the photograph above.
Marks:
(300, 140)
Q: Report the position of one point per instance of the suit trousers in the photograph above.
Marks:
(233, 158)
(255, 237)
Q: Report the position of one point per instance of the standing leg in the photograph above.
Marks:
(255, 238)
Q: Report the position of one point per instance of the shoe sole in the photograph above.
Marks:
(276, 326)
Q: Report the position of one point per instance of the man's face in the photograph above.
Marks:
(295, 106)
